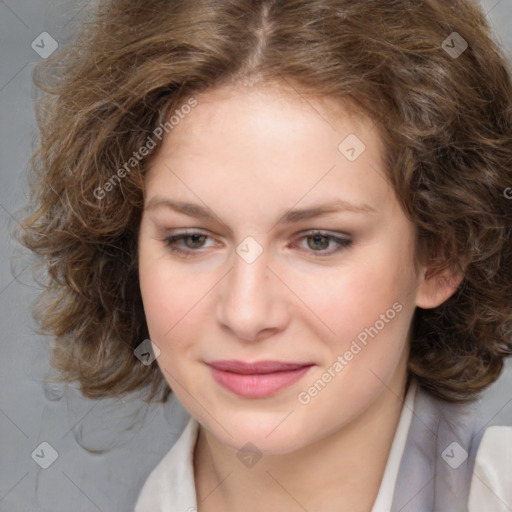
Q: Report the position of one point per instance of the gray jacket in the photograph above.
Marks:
(432, 477)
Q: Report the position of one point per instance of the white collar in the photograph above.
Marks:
(387, 485)
(171, 488)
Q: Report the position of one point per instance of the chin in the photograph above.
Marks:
(268, 433)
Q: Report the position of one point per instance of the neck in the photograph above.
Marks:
(341, 472)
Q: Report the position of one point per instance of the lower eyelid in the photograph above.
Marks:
(172, 243)
(342, 243)
(172, 240)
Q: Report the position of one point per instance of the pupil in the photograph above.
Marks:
(196, 239)
(317, 239)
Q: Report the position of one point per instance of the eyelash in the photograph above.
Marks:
(343, 243)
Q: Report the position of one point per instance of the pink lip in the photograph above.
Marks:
(257, 380)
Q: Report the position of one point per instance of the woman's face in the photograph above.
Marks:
(276, 268)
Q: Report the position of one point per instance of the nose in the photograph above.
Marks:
(252, 302)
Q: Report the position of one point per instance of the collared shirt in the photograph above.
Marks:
(171, 488)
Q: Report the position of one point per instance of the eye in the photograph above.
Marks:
(186, 242)
(318, 241)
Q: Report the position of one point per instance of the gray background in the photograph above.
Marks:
(133, 436)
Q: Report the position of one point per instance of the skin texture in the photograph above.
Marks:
(250, 156)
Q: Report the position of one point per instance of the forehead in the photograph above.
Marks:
(238, 107)
(258, 140)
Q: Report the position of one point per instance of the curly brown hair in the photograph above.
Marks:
(427, 72)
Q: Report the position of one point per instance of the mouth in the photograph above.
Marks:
(257, 380)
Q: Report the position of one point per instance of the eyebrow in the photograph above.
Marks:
(293, 215)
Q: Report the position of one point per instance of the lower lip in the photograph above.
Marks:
(257, 385)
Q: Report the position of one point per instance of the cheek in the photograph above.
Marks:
(159, 295)
(155, 296)
(173, 302)
(356, 296)
(163, 294)
(367, 305)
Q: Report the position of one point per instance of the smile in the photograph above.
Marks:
(257, 380)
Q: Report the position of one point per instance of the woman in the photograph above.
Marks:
(303, 205)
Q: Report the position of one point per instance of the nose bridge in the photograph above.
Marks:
(247, 280)
(250, 301)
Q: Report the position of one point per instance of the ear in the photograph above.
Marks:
(437, 287)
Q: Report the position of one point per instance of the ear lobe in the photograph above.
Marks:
(436, 288)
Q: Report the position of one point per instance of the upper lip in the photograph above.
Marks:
(260, 367)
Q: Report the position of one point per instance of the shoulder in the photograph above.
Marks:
(447, 444)
(491, 480)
